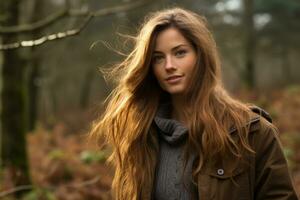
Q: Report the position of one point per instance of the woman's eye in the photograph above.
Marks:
(180, 53)
(157, 59)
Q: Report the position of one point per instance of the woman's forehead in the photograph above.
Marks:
(169, 39)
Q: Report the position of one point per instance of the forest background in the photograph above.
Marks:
(51, 53)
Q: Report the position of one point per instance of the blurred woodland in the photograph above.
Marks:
(51, 87)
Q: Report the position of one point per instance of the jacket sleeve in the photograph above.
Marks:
(272, 177)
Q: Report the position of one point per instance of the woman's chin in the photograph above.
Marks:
(175, 91)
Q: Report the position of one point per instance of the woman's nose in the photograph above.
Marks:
(169, 65)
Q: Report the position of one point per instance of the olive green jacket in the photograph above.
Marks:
(265, 177)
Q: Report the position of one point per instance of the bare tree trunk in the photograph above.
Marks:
(13, 122)
(86, 89)
(250, 43)
(33, 93)
(34, 72)
(286, 66)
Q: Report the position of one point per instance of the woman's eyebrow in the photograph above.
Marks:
(173, 49)
(178, 46)
(157, 52)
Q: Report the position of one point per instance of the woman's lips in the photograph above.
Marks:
(174, 79)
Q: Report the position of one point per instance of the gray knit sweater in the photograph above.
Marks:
(169, 183)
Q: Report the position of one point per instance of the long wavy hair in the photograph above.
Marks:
(127, 121)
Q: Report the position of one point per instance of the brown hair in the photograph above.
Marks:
(126, 123)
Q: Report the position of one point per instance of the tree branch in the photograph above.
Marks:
(66, 12)
(16, 189)
(122, 8)
(38, 25)
(55, 36)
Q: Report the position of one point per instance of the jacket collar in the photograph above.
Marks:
(255, 117)
(252, 122)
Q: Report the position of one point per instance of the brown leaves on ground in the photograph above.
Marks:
(56, 164)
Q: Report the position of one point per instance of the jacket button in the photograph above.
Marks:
(220, 172)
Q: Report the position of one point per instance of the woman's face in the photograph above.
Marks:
(173, 61)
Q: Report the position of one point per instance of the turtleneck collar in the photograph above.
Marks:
(172, 131)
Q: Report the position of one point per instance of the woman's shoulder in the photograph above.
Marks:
(262, 131)
(256, 119)
(260, 119)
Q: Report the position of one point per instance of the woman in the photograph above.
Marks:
(174, 130)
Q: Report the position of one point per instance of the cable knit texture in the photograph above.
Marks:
(169, 183)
